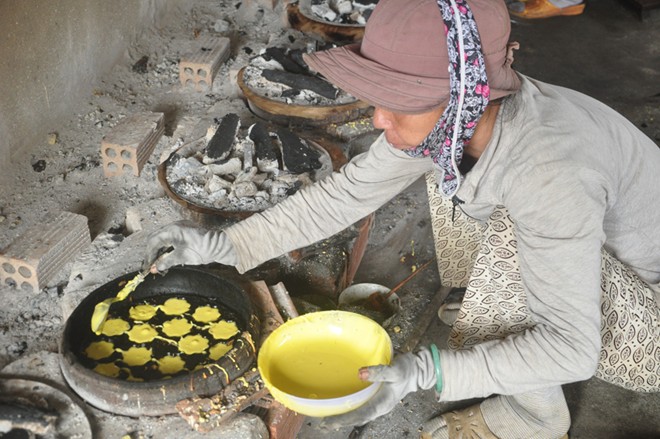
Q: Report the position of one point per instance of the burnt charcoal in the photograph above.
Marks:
(263, 144)
(220, 145)
(296, 55)
(293, 189)
(278, 54)
(39, 165)
(297, 156)
(141, 65)
(305, 82)
(290, 93)
(345, 19)
(265, 149)
(367, 13)
(365, 2)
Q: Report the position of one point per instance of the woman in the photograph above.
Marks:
(554, 195)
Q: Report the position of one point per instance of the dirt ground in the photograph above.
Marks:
(68, 176)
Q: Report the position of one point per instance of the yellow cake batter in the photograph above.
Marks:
(99, 349)
(223, 330)
(136, 356)
(142, 312)
(218, 350)
(170, 365)
(143, 333)
(206, 314)
(113, 327)
(175, 307)
(177, 327)
(193, 344)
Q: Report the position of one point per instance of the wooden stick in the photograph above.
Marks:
(269, 315)
(283, 301)
(359, 248)
(398, 286)
(282, 423)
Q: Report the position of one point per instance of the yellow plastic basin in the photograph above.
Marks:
(310, 364)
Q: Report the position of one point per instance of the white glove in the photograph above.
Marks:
(408, 373)
(192, 245)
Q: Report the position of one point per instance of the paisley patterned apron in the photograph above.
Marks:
(484, 260)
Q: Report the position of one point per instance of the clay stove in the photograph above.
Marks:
(158, 397)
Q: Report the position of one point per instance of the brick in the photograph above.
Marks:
(282, 423)
(199, 67)
(35, 257)
(128, 146)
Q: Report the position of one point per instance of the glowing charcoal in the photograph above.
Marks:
(175, 307)
(176, 327)
(206, 314)
(223, 330)
(193, 344)
(218, 350)
(136, 356)
(170, 365)
(142, 333)
(114, 327)
(99, 349)
(142, 312)
(107, 369)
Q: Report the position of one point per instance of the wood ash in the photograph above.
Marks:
(281, 74)
(244, 169)
(348, 12)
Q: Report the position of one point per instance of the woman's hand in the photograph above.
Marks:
(191, 245)
(408, 373)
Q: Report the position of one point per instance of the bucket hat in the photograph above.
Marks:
(401, 64)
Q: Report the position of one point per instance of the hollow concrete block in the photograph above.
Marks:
(199, 67)
(128, 146)
(35, 257)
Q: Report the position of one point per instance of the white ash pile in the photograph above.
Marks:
(244, 169)
(349, 12)
(281, 74)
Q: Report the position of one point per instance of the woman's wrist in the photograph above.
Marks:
(438, 369)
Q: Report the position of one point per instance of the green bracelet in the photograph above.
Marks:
(438, 373)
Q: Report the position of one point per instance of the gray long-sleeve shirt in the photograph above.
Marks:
(574, 175)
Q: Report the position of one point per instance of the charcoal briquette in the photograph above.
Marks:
(263, 143)
(296, 155)
(220, 145)
(304, 82)
(290, 93)
(279, 54)
(264, 148)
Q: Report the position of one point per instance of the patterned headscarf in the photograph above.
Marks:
(468, 96)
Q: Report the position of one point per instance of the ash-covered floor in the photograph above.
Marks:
(607, 53)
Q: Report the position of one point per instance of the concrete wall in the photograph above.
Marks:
(52, 53)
